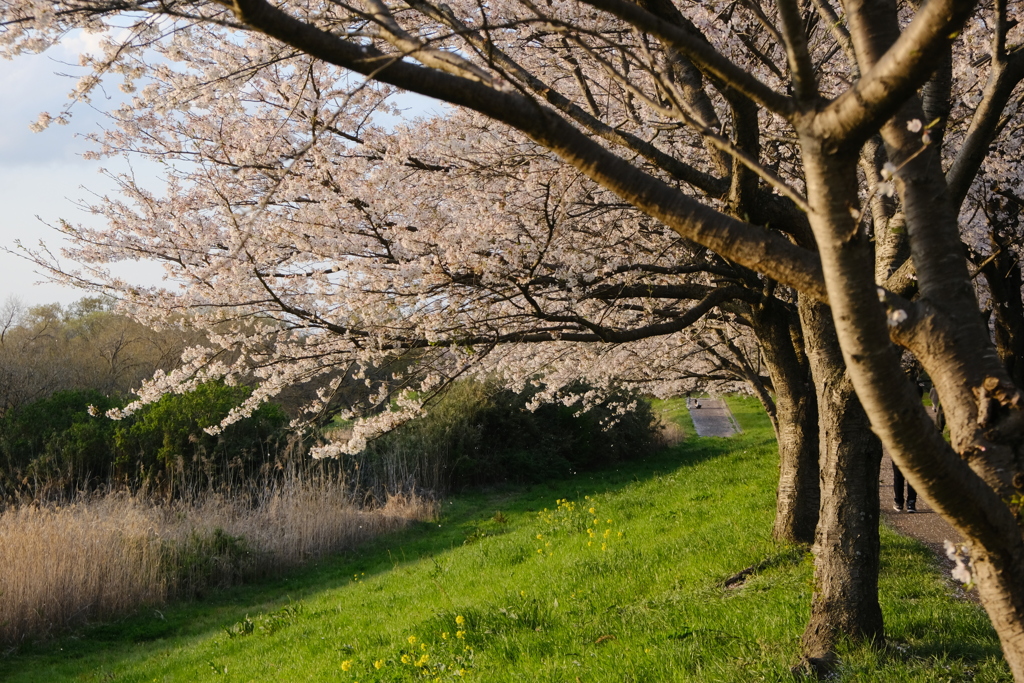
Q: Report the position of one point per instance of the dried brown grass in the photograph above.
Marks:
(107, 555)
(669, 433)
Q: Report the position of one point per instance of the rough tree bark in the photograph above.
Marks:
(796, 511)
(846, 546)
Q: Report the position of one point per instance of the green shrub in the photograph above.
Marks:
(205, 558)
(167, 441)
(55, 445)
(56, 438)
(479, 435)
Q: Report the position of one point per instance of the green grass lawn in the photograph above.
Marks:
(613, 576)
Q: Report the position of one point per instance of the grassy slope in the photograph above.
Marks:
(648, 607)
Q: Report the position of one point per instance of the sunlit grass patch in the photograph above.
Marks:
(651, 605)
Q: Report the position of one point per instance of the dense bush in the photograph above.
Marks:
(474, 435)
(479, 435)
(56, 438)
(56, 445)
(166, 442)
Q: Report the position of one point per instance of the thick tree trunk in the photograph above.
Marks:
(796, 509)
(970, 487)
(846, 547)
(797, 499)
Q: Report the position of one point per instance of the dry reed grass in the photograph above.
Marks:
(107, 555)
(669, 433)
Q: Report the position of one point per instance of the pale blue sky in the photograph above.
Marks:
(43, 176)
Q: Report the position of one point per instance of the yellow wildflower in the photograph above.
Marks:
(412, 640)
(444, 636)
(346, 665)
(460, 620)
(379, 664)
(593, 511)
(406, 659)
(422, 661)
(460, 634)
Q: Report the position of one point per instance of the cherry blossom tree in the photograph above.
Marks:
(805, 150)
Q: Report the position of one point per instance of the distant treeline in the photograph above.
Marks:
(63, 367)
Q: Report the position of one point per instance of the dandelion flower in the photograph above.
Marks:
(593, 511)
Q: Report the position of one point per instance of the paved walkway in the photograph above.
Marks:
(925, 525)
(711, 417)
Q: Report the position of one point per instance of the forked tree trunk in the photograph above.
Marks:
(846, 547)
(796, 509)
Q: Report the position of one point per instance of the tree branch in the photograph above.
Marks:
(906, 64)
(748, 245)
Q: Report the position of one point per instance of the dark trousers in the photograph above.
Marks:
(898, 483)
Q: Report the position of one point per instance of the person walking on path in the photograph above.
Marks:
(898, 481)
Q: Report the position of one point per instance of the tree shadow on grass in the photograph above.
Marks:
(462, 520)
(921, 623)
